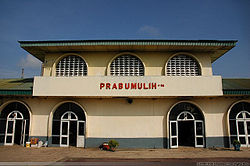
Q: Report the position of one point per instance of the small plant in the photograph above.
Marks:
(236, 145)
(113, 144)
(236, 142)
(130, 101)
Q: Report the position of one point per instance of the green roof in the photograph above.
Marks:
(234, 86)
(16, 86)
(40, 49)
(129, 42)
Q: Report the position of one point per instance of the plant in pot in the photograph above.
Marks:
(113, 144)
(236, 145)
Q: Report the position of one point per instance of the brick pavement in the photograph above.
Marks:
(51, 154)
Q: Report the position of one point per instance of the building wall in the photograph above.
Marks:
(154, 62)
(140, 124)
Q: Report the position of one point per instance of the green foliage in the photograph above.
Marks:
(113, 143)
(236, 142)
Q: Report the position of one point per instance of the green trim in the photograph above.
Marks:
(236, 92)
(29, 92)
(151, 143)
(219, 141)
(128, 42)
(16, 92)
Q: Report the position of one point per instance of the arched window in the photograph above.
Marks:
(239, 123)
(182, 109)
(71, 66)
(15, 115)
(69, 115)
(126, 65)
(183, 65)
(185, 115)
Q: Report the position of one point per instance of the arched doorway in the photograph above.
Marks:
(14, 122)
(239, 121)
(186, 125)
(68, 127)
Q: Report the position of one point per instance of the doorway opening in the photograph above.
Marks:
(14, 121)
(73, 133)
(68, 128)
(18, 132)
(239, 121)
(15, 129)
(186, 133)
(186, 124)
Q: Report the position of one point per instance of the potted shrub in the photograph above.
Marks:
(104, 146)
(113, 144)
(236, 145)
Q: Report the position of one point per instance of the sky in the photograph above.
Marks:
(123, 19)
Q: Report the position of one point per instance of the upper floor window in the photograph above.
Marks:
(127, 65)
(183, 65)
(71, 66)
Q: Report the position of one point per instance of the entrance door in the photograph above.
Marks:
(186, 131)
(199, 134)
(186, 126)
(173, 134)
(15, 132)
(73, 133)
(64, 134)
(80, 133)
(23, 132)
(243, 130)
(18, 132)
(10, 132)
(248, 132)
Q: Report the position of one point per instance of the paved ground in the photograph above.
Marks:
(53, 154)
(160, 162)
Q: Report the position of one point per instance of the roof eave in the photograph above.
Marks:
(40, 48)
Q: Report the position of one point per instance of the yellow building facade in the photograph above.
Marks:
(142, 93)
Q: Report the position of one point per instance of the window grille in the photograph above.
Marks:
(127, 65)
(183, 65)
(71, 66)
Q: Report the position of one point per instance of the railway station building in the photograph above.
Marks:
(142, 93)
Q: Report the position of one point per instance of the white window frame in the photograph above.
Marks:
(12, 134)
(199, 136)
(243, 120)
(80, 138)
(185, 113)
(64, 135)
(173, 136)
